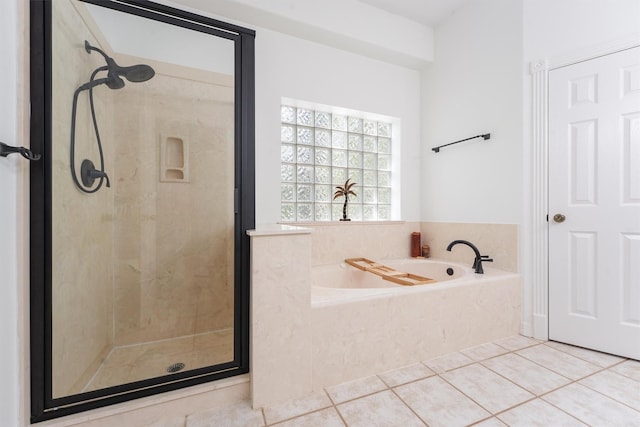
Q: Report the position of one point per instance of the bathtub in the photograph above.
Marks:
(363, 324)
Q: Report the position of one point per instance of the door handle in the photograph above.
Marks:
(559, 218)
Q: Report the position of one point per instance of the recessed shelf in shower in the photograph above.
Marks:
(174, 158)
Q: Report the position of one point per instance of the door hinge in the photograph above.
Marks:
(236, 200)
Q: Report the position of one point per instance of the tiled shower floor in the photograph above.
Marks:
(516, 382)
(130, 363)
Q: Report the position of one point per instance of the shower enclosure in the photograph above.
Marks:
(143, 115)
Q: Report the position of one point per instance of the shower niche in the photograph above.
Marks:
(143, 114)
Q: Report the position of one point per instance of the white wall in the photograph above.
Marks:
(298, 67)
(295, 68)
(558, 31)
(555, 28)
(10, 225)
(346, 24)
(474, 87)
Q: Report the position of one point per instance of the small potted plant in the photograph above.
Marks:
(345, 191)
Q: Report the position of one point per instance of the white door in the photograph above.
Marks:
(594, 183)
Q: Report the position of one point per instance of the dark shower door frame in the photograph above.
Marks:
(43, 405)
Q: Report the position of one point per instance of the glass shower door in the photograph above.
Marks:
(147, 280)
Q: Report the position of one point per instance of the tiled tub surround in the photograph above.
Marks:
(358, 332)
(499, 241)
(333, 242)
(314, 338)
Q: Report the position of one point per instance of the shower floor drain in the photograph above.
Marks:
(175, 367)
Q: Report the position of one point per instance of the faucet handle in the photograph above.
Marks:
(485, 258)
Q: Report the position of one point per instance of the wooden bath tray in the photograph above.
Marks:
(388, 273)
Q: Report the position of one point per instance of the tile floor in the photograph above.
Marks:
(517, 381)
(125, 364)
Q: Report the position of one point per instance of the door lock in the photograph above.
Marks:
(559, 218)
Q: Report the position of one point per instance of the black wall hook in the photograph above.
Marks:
(5, 150)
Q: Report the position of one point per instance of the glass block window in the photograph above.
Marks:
(320, 150)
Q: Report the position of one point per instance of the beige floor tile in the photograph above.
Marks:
(238, 415)
(525, 373)
(629, 368)
(382, 409)
(325, 418)
(406, 374)
(491, 422)
(354, 389)
(538, 413)
(516, 342)
(601, 359)
(487, 388)
(559, 362)
(616, 386)
(484, 351)
(168, 422)
(295, 408)
(448, 362)
(440, 404)
(591, 407)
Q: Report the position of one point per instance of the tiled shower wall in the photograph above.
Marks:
(173, 240)
(82, 249)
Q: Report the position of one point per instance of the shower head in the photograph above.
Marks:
(134, 73)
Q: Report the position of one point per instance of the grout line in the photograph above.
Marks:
(463, 393)
(409, 406)
(335, 408)
(492, 415)
(332, 405)
(606, 395)
(562, 410)
(297, 416)
(583, 348)
(536, 397)
(560, 373)
(264, 417)
(95, 374)
(522, 386)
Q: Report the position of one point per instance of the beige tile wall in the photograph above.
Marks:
(280, 317)
(333, 242)
(500, 241)
(174, 240)
(82, 249)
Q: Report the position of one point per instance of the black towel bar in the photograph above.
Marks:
(484, 136)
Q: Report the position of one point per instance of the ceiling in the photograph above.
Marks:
(426, 12)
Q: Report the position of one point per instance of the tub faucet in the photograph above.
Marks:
(477, 262)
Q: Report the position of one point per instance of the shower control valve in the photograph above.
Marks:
(89, 173)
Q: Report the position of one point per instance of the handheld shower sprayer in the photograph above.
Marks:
(113, 80)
